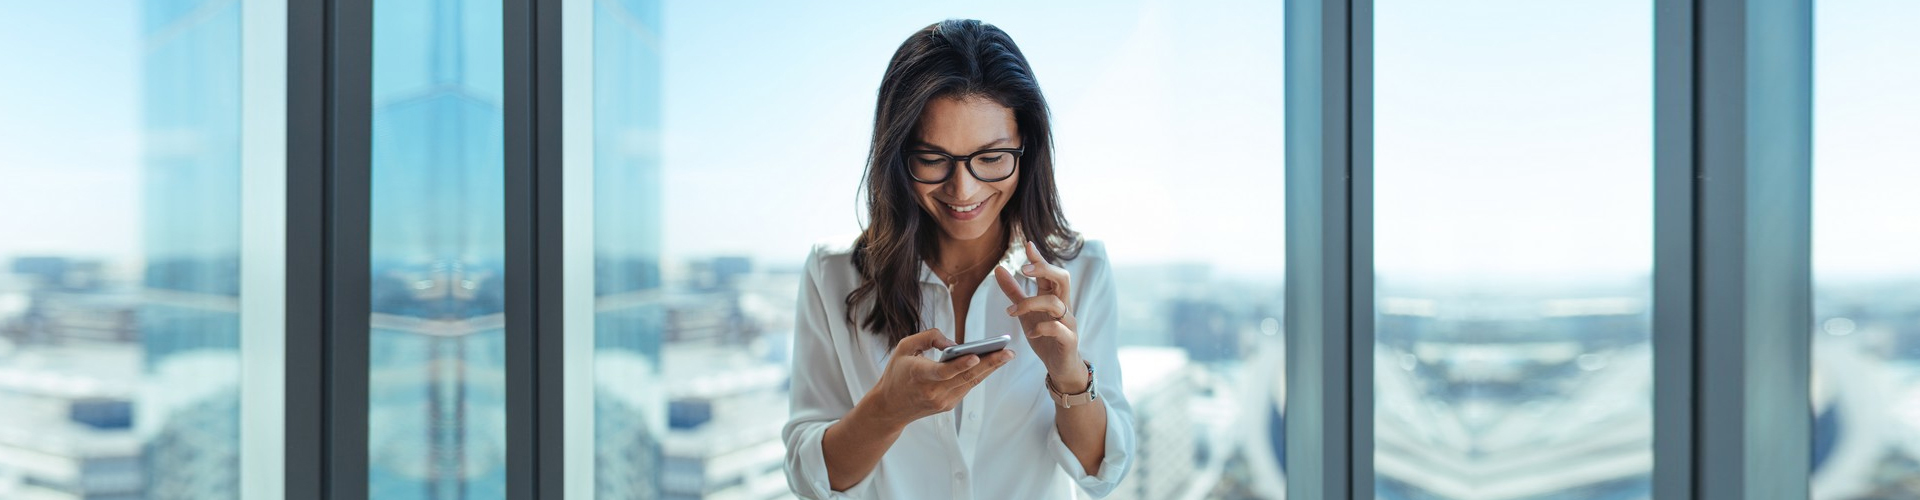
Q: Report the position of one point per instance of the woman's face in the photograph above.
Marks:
(966, 208)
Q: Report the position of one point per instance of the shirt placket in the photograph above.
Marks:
(961, 486)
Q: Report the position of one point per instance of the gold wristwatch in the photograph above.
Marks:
(1072, 400)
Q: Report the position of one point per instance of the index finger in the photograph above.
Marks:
(1008, 285)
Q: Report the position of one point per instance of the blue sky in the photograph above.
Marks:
(1167, 121)
(1526, 120)
(69, 128)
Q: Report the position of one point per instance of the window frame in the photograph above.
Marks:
(329, 136)
(1732, 248)
(1732, 225)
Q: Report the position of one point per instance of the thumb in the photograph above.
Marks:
(927, 339)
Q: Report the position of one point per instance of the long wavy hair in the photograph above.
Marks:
(953, 58)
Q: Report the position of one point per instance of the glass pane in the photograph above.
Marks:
(436, 415)
(141, 276)
(716, 150)
(1513, 249)
(1866, 349)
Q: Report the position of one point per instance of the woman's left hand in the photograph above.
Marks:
(1047, 318)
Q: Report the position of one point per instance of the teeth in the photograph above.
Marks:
(965, 209)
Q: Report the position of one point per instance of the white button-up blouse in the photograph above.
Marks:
(1005, 446)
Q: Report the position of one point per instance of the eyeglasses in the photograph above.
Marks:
(987, 165)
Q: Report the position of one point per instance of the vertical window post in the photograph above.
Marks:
(1329, 270)
(1753, 247)
(534, 321)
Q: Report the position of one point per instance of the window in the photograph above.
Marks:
(1866, 389)
(142, 284)
(697, 240)
(437, 369)
(1480, 193)
(1513, 188)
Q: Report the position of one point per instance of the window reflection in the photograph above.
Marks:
(125, 325)
(436, 393)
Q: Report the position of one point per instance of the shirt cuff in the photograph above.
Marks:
(1113, 465)
(807, 467)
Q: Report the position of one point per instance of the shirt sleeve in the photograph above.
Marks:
(1097, 313)
(819, 396)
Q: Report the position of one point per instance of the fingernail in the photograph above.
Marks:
(1010, 310)
(1026, 268)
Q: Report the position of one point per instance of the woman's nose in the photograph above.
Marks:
(961, 185)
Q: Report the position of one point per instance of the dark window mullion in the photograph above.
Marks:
(306, 273)
(329, 108)
(1673, 269)
(1360, 268)
(534, 296)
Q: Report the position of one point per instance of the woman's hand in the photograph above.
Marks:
(1047, 319)
(914, 387)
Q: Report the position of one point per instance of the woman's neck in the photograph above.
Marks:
(964, 256)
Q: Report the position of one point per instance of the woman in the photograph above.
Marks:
(959, 186)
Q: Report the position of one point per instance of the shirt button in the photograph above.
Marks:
(973, 417)
(959, 476)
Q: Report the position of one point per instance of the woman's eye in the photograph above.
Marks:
(927, 161)
(991, 159)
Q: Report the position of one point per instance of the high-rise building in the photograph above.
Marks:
(630, 310)
(437, 388)
(189, 319)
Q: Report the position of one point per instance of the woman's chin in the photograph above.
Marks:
(967, 230)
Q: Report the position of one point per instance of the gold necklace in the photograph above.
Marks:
(950, 278)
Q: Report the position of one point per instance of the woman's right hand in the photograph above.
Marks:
(914, 387)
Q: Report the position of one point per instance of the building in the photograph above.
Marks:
(189, 322)
(67, 432)
(630, 311)
(1159, 382)
(726, 408)
(437, 391)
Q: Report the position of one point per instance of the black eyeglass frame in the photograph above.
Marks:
(952, 161)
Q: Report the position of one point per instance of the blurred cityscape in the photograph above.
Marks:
(725, 358)
(1473, 402)
(120, 379)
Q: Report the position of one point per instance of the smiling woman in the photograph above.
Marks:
(871, 417)
(706, 152)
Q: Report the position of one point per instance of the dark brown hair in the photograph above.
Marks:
(952, 58)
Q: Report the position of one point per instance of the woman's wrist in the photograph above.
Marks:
(1071, 377)
(872, 413)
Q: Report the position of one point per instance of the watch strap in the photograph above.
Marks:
(1071, 400)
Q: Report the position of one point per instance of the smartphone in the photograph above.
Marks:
(982, 346)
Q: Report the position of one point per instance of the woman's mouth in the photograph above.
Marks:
(965, 212)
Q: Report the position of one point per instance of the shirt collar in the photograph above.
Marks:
(1016, 257)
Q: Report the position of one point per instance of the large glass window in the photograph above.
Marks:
(436, 396)
(141, 270)
(1866, 227)
(1513, 249)
(719, 144)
